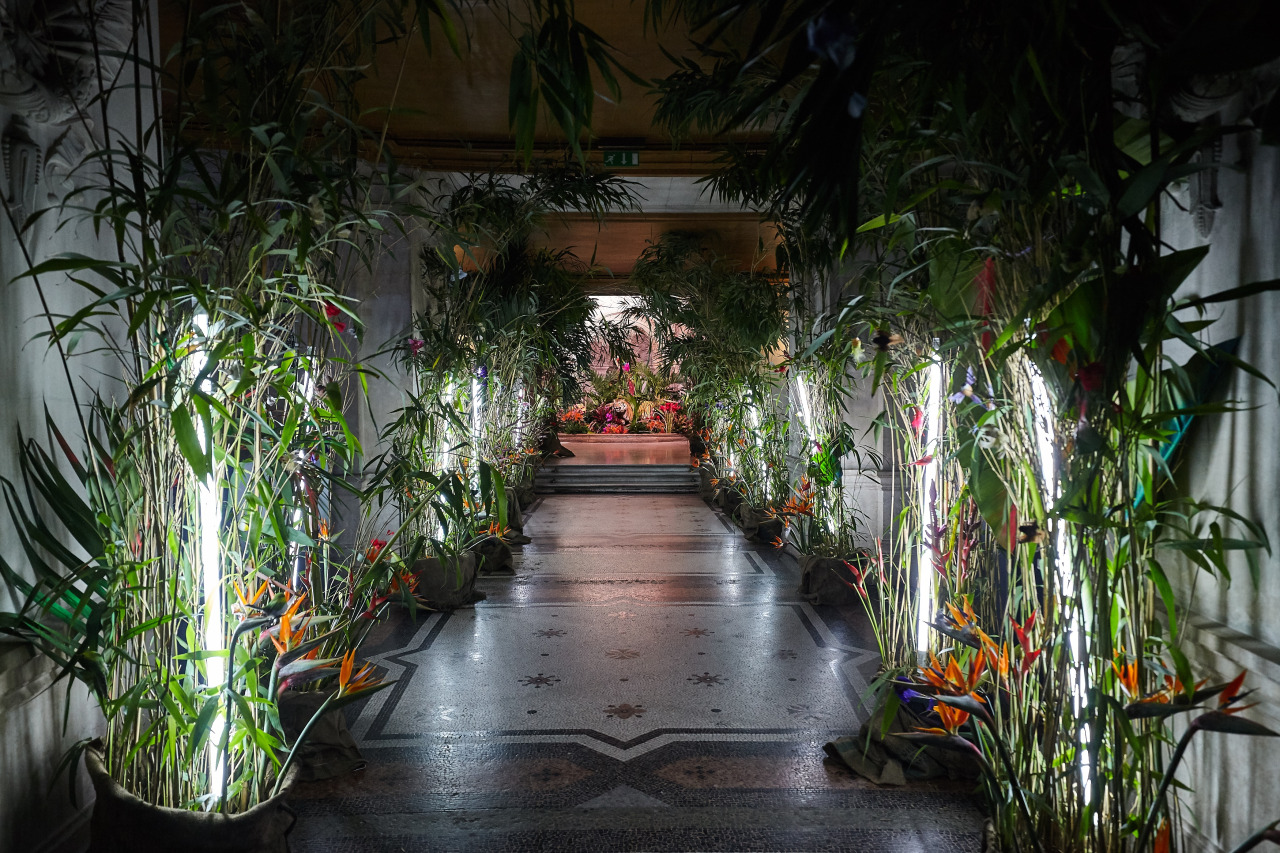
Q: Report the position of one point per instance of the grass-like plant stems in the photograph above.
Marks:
(298, 742)
(246, 625)
(1149, 824)
(1007, 760)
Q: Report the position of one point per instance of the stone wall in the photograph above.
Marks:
(44, 135)
(31, 735)
(1234, 459)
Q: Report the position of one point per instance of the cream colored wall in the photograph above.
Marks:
(32, 813)
(1236, 460)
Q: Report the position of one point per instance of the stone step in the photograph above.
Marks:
(617, 479)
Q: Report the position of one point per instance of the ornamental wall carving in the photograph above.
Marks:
(49, 77)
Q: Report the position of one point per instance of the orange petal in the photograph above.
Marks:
(1233, 687)
(348, 661)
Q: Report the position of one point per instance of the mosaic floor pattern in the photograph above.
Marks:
(647, 681)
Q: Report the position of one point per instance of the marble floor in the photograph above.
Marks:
(647, 681)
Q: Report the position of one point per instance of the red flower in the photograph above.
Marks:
(1060, 351)
(1090, 376)
(986, 282)
(1023, 632)
(339, 326)
(331, 310)
(375, 549)
(917, 420)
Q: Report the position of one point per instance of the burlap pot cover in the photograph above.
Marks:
(446, 586)
(122, 823)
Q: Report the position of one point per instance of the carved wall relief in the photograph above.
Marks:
(22, 159)
(48, 70)
(1204, 187)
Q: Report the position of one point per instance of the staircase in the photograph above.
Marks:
(615, 479)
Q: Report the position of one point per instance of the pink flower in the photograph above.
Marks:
(416, 345)
(626, 367)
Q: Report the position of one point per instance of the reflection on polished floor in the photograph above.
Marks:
(648, 681)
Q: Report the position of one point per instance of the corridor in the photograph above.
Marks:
(647, 681)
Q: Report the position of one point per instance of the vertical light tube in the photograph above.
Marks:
(519, 413)
(753, 416)
(208, 522)
(1043, 421)
(295, 550)
(446, 437)
(477, 412)
(806, 408)
(928, 480)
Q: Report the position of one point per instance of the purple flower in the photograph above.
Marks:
(966, 391)
(482, 372)
(907, 694)
(416, 345)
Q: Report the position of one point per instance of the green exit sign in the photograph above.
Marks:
(622, 158)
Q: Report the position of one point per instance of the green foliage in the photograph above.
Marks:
(234, 225)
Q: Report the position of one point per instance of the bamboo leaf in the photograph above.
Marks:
(189, 443)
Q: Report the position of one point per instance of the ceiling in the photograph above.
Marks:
(614, 245)
(452, 112)
(450, 115)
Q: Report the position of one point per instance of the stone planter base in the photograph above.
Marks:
(756, 525)
(494, 557)
(122, 823)
(822, 581)
(447, 587)
(888, 760)
(329, 750)
(728, 500)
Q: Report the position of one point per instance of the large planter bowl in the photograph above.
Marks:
(448, 585)
(494, 557)
(705, 487)
(757, 525)
(122, 823)
(329, 749)
(822, 580)
(728, 499)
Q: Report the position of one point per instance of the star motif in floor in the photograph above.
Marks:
(539, 680)
(623, 614)
(622, 654)
(805, 713)
(706, 678)
(696, 632)
(624, 711)
(549, 632)
(784, 654)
